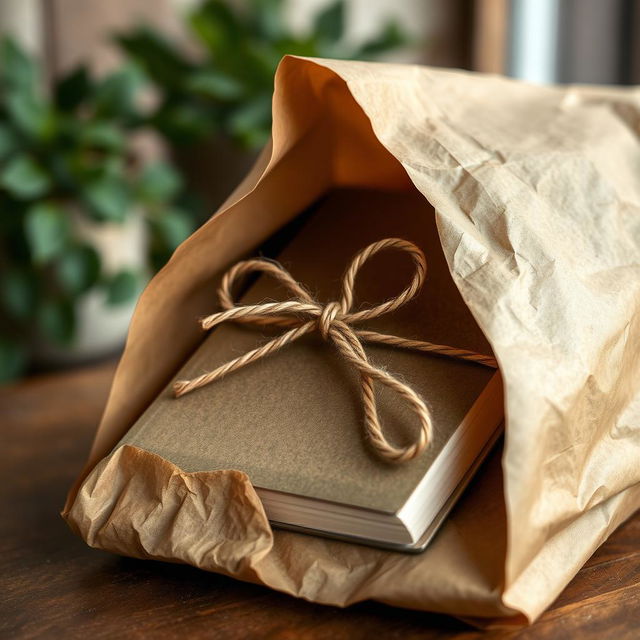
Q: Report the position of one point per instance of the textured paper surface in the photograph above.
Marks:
(537, 202)
(294, 422)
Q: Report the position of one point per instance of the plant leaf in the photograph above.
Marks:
(108, 198)
(218, 28)
(18, 293)
(115, 95)
(215, 84)
(102, 135)
(173, 227)
(122, 287)
(17, 68)
(56, 321)
(24, 179)
(270, 25)
(159, 58)
(159, 183)
(13, 360)
(8, 142)
(251, 123)
(30, 114)
(47, 229)
(78, 269)
(329, 23)
(73, 88)
(185, 124)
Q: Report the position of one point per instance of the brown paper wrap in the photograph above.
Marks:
(537, 198)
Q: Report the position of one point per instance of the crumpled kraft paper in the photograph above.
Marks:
(537, 198)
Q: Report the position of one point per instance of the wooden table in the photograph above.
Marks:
(53, 586)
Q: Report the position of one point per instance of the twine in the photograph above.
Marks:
(302, 315)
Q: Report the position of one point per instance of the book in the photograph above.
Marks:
(293, 421)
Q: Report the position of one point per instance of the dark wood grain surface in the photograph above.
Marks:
(53, 586)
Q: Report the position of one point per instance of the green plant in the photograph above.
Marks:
(229, 88)
(65, 154)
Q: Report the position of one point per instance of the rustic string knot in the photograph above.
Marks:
(334, 321)
(330, 312)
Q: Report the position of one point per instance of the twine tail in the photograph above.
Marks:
(427, 347)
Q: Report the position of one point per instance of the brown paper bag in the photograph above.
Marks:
(537, 199)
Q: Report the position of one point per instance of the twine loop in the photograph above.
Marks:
(334, 321)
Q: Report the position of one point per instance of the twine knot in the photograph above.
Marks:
(334, 321)
(330, 312)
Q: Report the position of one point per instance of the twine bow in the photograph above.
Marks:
(334, 320)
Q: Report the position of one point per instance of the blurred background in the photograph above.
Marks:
(125, 123)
